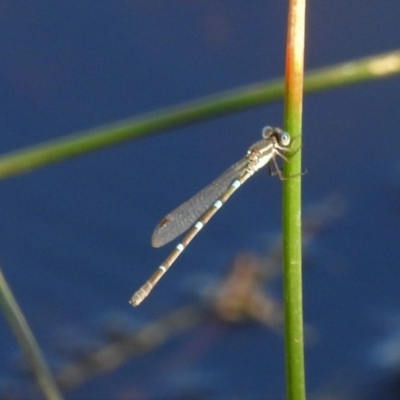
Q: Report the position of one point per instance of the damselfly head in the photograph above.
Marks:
(282, 137)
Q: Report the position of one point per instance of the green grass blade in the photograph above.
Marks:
(292, 244)
(26, 340)
(53, 151)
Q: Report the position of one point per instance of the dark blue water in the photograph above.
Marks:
(75, 237)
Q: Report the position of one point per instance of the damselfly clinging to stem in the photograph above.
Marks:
(201, 207)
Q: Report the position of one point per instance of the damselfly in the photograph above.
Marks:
(200, 208)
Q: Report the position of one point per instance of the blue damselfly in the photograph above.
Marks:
(201, 208)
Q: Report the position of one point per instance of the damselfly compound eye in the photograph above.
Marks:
(266, 132)
(285, 139)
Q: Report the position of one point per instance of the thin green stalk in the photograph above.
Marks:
(53, 151)
(292, 255)
(27, 341)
